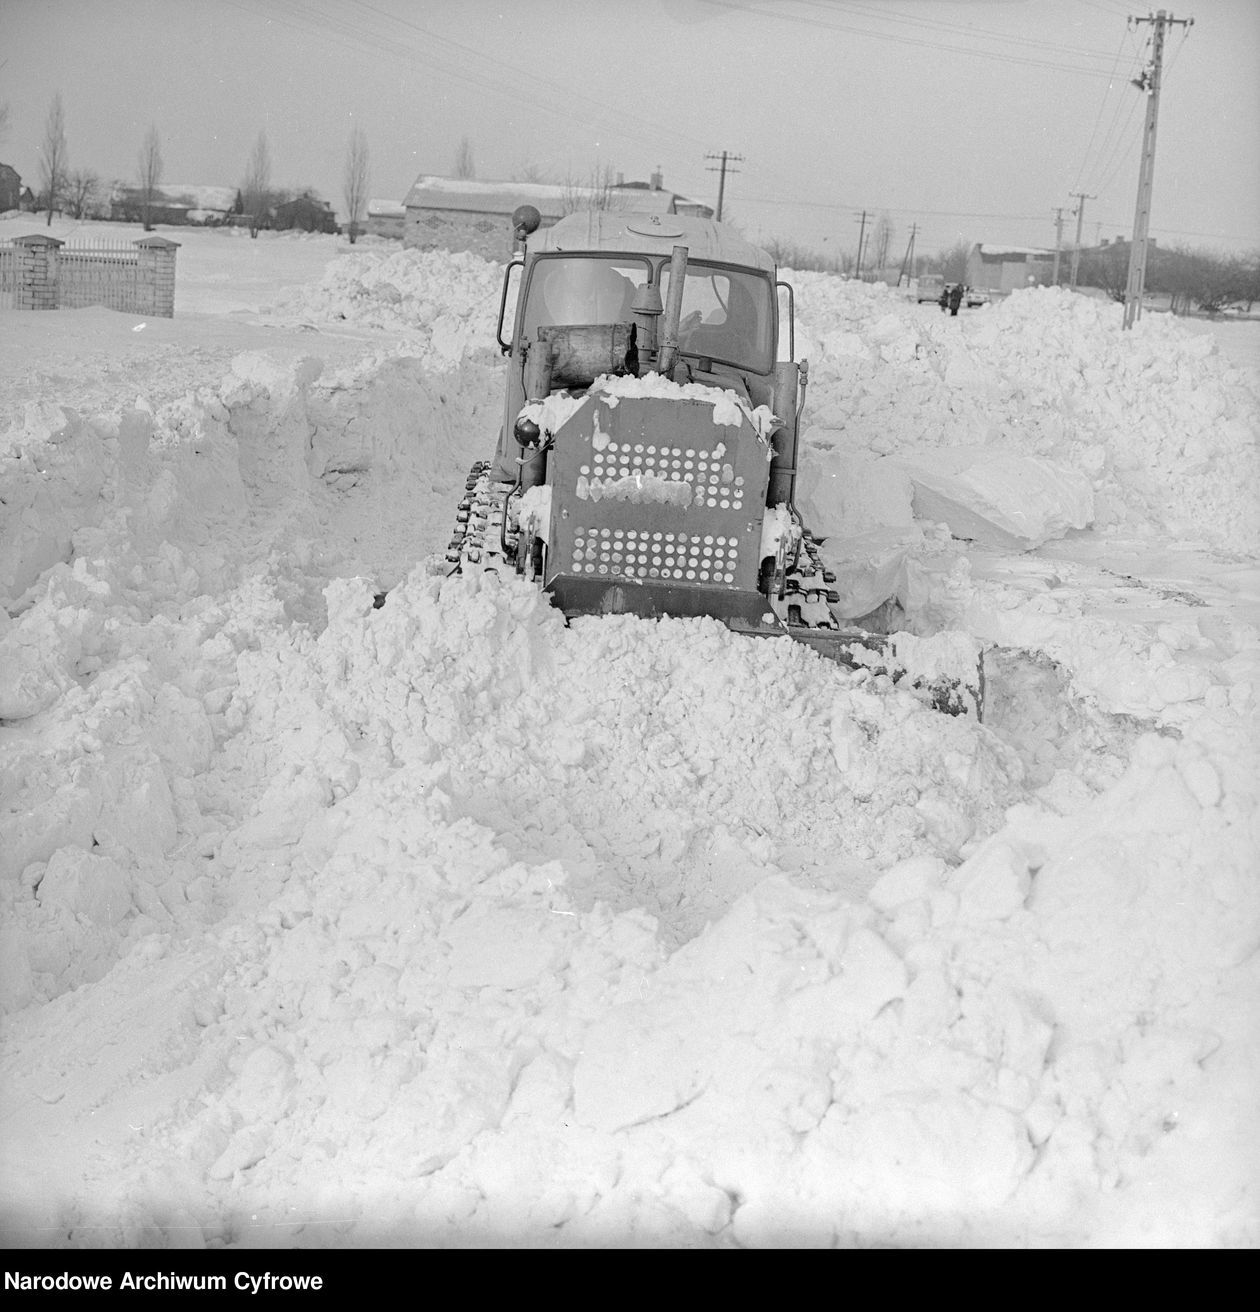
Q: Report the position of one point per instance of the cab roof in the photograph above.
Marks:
(649, 234)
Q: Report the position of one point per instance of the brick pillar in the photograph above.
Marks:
(155, 277)
(35, 272)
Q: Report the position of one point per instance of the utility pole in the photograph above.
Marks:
(1080, 220)
(1058, 241)
(1148, 82)
(907, 265)
(861, 237)
(722, 171)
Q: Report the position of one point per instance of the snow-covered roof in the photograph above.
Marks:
(987, 252)
(552, 200)
(386, 209)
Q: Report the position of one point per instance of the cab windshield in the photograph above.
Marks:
(725, 316)
(726, 313)
(582, 290)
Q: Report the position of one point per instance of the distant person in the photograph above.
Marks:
(944, 301)
(955, 297)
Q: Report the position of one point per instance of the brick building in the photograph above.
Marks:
(464, 214)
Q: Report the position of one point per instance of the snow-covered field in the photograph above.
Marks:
(444, 924)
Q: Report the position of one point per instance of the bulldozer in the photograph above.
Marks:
(647, 460)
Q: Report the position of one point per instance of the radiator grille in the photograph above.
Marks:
(714, 482)
(692, 558)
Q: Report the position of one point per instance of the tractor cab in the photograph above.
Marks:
(612, 271)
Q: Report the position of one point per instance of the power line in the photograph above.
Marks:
(929, 43)
(968, 30)
(368, 35)
(1102, 104)
(1118, 138)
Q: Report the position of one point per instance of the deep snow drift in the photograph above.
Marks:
(445, 923)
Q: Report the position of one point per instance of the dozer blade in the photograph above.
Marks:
(946, 671)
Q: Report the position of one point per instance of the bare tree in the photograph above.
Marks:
(355, 181)
(464, 167)
(881, 238)
(1107, 268)
(598, 193)
(529, 172)
(52, 164)
(82, 188)
(255, 190)
(1251, 279)
(150, 162)
(952, 262)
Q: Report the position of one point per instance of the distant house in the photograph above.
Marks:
(1117, 249)
(173, 204)
(304, 213)
(10, 188)
(464, 214)
(1006, 268)
(385, 218)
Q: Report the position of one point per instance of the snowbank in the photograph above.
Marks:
(1161, 425)
(448, 923)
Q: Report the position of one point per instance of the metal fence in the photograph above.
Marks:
(98, 273)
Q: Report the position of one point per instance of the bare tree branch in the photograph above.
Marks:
(597, 194)
(464, 167)
(150, 162)
(53, 160)
(82, 188)
(355, 183)
(255, 190)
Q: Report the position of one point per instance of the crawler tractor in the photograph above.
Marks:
(647, 460)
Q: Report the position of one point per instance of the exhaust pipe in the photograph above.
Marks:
(673, 312)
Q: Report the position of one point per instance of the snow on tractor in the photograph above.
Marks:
(647, 460)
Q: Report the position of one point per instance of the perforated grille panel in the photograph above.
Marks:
(711, 475)
(678, 557)
(652, 490)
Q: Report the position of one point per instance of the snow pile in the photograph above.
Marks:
(250, 457)
(1161, 426)
(417, 824)
(446, 922)
(447, 302)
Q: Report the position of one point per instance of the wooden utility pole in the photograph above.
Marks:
(722, 171)
(907, 264)
(1148, 82)
(1080, 221)
(1058, 241)
(857, 273)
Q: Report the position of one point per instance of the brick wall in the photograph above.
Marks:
(487, 235)
(48, 275)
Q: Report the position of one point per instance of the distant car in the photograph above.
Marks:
(930, 287)
(972, 298)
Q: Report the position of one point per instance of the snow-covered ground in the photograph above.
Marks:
(446, 924)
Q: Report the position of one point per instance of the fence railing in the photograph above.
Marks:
(44, 273)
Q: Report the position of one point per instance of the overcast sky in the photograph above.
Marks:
(972, 119)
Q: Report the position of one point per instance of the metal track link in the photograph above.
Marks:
(477, 540)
